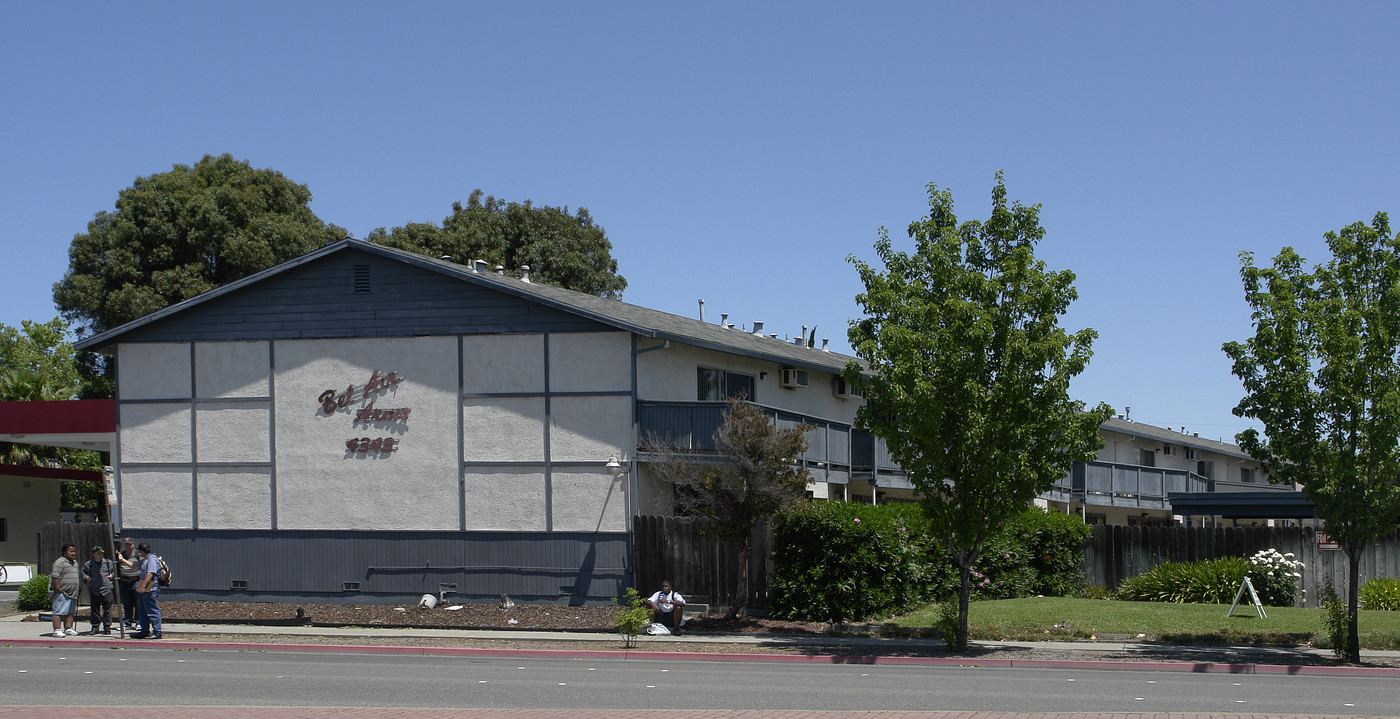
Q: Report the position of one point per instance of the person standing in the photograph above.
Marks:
(128, 573)
(667, 606)
(64, 581)
(98, 573)
(148, 594)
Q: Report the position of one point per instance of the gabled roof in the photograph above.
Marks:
(615, 313)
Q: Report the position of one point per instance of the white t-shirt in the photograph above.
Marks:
(667, 601)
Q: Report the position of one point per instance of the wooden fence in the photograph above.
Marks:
(1115, 553)
(707, 571)
(703, 570)
(83, 535)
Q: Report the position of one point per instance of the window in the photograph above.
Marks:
(1246, 474)
(718, 384)
(4, 531)
(1206, 469)
(1147, 458)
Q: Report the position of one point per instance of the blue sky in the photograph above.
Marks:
(739, 152)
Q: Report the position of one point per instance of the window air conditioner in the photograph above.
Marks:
(842, 389)
(792, 378)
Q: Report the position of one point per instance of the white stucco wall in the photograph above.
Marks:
(322, 485)
(157, 498)
(503, 363)
(590, 362)
(235, 499)
(670, 375)
(503, 429)
(506, 498)
(233, 432)
(155, 433)
(153, 370)
(231, 369)
(587, 500)
(590, 429)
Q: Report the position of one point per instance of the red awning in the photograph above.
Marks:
(78, 423)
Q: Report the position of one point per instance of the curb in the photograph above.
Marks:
(961, 662)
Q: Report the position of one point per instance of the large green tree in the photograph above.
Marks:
(968, 370)
(568, 250)
(760, 474)
(1322, 375)
(176, 234)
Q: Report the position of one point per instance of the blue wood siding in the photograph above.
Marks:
(318, 300)
(313, 565)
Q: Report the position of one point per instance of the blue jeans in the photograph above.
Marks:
(148, 610)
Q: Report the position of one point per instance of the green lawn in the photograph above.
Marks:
(1047, 618)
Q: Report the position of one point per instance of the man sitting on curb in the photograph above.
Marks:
(667, 606)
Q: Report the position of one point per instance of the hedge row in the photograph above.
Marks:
(840, 561)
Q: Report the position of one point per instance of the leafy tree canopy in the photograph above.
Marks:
(968, 369)
(180, 233)
(567, 250)
(1322, 374)
(37, 362)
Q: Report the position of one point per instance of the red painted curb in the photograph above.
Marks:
(967, 662)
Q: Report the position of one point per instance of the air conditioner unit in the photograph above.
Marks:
(791, 378)
(842, 389)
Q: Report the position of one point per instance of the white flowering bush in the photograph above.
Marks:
(1276, 577)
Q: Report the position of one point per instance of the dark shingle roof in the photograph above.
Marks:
(633, 318)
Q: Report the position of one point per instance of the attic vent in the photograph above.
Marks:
(361, 279)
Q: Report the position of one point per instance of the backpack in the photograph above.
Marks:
(162, 574)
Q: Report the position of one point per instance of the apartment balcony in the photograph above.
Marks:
(1112, 484)
(835, 452)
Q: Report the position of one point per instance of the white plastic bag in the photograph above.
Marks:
(657, 629)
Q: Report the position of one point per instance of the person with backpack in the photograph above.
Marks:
(148, 593)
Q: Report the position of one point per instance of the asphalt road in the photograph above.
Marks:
(128, 677)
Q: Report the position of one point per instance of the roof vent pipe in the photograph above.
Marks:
(500, 269)
(824, 341)
(702, 309)
(524, 273)
(773, 335)
(724, 320)
(479, 266)
(446, 258)
(758, 327)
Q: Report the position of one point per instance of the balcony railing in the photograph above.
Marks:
(690, 426)
(1125, 485)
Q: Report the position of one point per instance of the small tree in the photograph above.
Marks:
(968, 371)
(761, 475)
(633, 617)
(1322, 374)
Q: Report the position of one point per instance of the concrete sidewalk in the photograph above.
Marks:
(180, 635)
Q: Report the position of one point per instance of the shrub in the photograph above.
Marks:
(1275, 577)
(1380, 593)
(34, 594)
(1003, 570)
(1054, 547)
(1335, 620)
(1205, 582)
(629, 621)
(839, 561)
